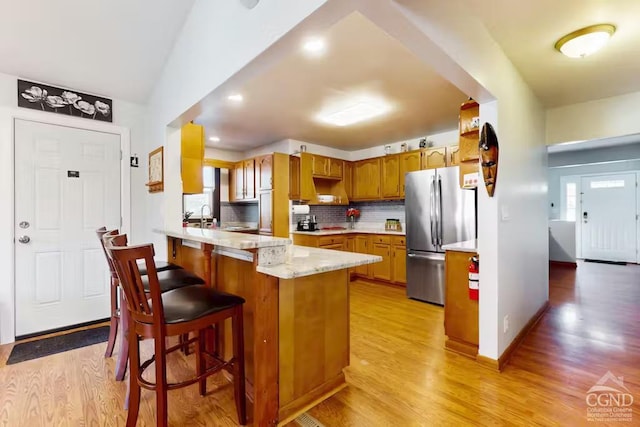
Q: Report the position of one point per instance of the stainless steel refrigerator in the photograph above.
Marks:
(438, 212)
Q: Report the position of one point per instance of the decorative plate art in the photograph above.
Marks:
(156, 171)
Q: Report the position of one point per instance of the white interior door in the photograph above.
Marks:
(608, 217)
(67, 184)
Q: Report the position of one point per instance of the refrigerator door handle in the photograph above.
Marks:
(439, 224)
(432, 256)
(432, 209)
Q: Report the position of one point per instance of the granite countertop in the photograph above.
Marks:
(350, 231)
(226, 239)
(306, 261)
(466, 246)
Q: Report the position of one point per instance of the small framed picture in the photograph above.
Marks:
(475, 122)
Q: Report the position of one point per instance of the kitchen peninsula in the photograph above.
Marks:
(296, 315)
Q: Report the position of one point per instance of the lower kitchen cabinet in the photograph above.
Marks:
(399, 264)
(382, 270)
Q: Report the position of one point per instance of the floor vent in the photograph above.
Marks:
(306, 420)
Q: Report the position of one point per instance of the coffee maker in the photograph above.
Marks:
(309, 223)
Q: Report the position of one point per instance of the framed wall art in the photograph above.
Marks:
(156, 171)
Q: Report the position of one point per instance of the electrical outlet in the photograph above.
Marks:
(506, 323)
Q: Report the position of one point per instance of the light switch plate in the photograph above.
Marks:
(504, 213)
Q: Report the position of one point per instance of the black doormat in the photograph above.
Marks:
(48, 346)
(606, 262)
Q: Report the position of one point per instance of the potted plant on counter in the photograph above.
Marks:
(352, 214)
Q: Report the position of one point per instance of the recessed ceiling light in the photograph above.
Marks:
(353, 114)
(214, 139)
(585, 41)
(315, 46)
(236, 97)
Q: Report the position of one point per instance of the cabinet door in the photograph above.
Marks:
(266, 212)
(382, 270)
(435, 158)
(264, 172)
(294, 178)
(366, 179)
(453, 155)
(409, 162)
(249, 179)
(319, 165)
(399, 258)
(350, 244)
(390, 176)
(362, 247)
(238, 173)
(334, 167)
(347, 179)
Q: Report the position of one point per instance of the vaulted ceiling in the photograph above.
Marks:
(115, 48)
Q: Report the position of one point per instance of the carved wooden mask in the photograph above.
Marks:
(489, 151)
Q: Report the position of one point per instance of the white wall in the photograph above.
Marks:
(226, 155)
(128, 122)
(439, 140)
(562, 241)
(602, 118)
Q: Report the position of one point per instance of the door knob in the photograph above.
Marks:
(24, 239)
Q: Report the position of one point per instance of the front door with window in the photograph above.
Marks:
(608, 217)
(67, 184)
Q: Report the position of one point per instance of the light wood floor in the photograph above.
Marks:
(399, 374)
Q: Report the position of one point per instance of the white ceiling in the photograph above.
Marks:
(115, 48)
(528, 30)
(360, 60)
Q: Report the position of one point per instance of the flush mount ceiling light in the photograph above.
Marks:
(585, 41)
(354, 114)
(214, 139)
(249, 4)
(236, 97)
(314, 46)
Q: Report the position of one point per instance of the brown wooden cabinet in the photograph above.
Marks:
(264, 172)
(409, 162)
(350, 244)
(434, 158)
(294, 178)
(347, 179)
(399, 260)
(382, 270)
(453, 155)
(265, 205)
(460, 312)
(390, 176)
(192, 158)
(242, 181)
(326, 167)
(362, 246)
(366, 179)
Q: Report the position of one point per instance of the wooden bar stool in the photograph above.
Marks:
(170, 276)
(180, 311)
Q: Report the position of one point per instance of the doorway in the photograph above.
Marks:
(67, 184)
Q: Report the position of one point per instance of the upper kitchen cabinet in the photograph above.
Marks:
(192, 158)
(453, 155)
(264, 172)
(469, 138)
(294, 178)
(409, 162)
(390, 178)
(326, 167)
(242, 181)
(347, 179)
(366, 179)
(434, 158)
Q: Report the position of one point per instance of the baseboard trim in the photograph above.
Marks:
(563, 264)
(503, 360)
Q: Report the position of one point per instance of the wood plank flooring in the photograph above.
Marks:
(400, 374)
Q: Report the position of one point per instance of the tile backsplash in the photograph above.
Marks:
(238, 212)
(370, 212)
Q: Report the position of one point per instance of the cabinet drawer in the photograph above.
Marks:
(334, 246)
(399, 241)
(380, 238)
(330, 240)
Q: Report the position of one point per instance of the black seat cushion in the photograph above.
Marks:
(173, 279)
(193, 302)
(160, 266)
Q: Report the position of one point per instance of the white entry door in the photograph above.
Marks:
(608, 217)
(67, 184)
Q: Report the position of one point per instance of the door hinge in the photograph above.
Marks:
(120, 223)
(120, 154)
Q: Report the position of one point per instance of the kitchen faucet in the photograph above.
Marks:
(203, 222)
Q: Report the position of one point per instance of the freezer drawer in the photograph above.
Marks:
(425, 276)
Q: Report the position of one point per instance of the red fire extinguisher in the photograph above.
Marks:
(474, 278)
